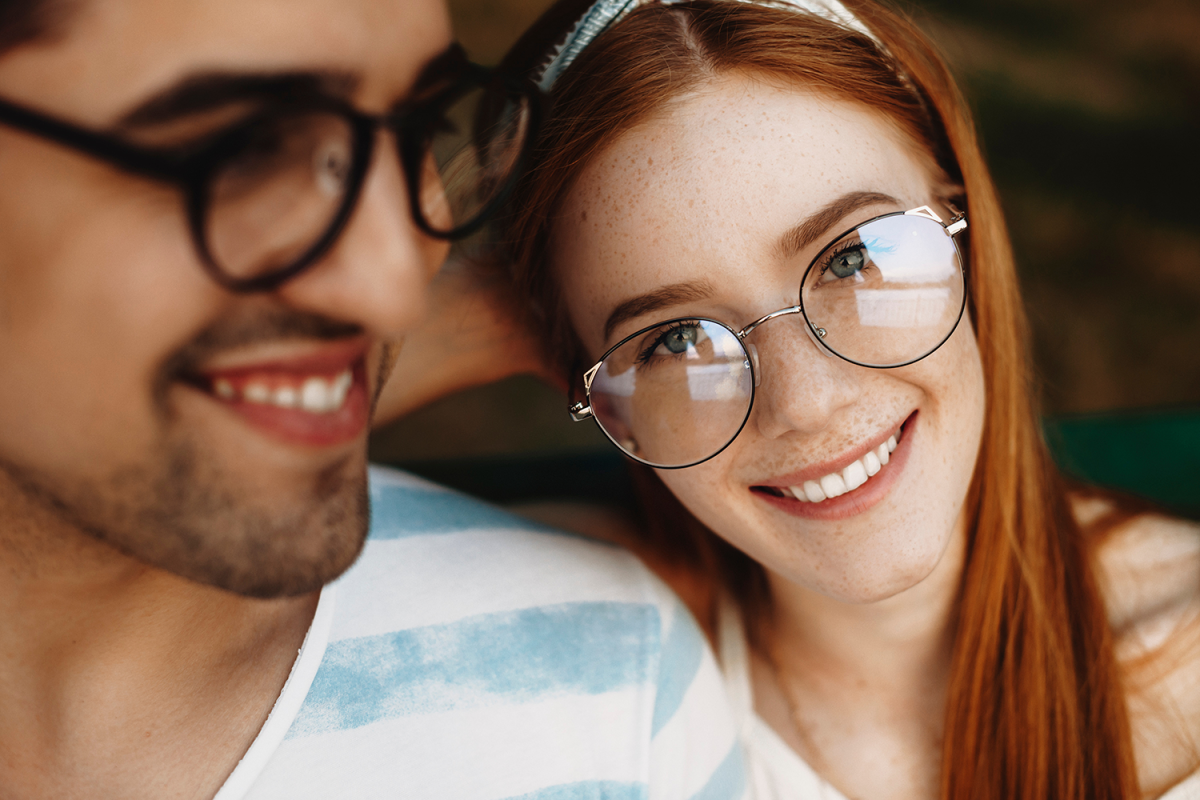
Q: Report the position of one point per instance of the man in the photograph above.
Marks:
(209, 250)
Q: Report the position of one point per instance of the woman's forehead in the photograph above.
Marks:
(713, 182)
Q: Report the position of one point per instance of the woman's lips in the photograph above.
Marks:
(845, 492)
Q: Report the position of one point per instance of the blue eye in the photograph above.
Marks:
(675, 341)
(678, 340)
(848, 262)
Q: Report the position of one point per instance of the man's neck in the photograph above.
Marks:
(123, 678)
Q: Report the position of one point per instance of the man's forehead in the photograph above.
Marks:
(115, 53)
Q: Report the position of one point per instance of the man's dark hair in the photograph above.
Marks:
(24, 21)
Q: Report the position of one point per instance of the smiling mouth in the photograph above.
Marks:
(854, 475)
(315, 394)
(318, 398)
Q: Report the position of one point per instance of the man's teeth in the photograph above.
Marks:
(315, 395)
(836, 484)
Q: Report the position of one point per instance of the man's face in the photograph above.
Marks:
(144, 405)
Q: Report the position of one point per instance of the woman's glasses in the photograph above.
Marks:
(884, 294)
(270, 195)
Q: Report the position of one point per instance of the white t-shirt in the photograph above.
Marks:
(774, 769)
(471, 654)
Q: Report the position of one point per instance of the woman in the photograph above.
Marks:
(914, 604)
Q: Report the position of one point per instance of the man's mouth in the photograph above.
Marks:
(316, 394)
(844, 480)
(317, 398)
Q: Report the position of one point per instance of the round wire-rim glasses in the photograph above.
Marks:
(331, 145)
(929, 259)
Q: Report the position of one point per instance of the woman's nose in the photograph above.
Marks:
(801, 387)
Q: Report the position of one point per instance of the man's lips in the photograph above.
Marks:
(317, 397)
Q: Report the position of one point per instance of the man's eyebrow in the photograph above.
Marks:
(663, 297)
(211, 91)
(818, 225)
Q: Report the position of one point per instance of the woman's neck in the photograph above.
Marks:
(838, 679)
(899, 638)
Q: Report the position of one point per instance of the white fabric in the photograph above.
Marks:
(774, 769)
(469, 654)
(1187, 789)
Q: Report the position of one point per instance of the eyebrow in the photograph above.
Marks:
(663, 297)
(818, 224)
(211, 91)
(205, 92)
(795, 240)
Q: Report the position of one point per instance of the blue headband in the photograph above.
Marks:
(604, 13)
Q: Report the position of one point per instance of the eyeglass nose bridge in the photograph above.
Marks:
(815, 333)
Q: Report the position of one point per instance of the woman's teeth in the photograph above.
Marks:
(315, 395)
(850, 478)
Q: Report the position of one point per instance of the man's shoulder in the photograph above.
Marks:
(441, 531)
(472, 653)
(405, 505)
(443, 565)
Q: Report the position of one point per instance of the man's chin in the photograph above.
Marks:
(266, 553)
(187, 516)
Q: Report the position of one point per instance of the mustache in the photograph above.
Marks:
(249, 326)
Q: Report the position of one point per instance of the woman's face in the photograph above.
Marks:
(702, 199)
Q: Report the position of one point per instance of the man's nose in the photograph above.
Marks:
(801, 388)
(377, 274)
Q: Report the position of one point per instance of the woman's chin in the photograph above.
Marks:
(857, 581)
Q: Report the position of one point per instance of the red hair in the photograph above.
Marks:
(1035, 704)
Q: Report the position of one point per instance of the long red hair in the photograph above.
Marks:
(1035, 705)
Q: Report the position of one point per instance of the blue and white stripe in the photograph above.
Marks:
(471, 654)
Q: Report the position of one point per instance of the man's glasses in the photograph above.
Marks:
(270, 195)
(884, 294)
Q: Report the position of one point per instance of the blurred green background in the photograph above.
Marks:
(1090, 117)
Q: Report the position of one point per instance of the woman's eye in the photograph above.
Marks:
(677, 341)
(848, 262)
(680, 339)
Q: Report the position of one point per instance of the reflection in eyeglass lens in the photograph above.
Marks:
(277, 195)
(887, 293)
(674, 394)
(476, 146)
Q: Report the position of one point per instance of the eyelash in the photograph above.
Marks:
(845, 247)
(646, 353)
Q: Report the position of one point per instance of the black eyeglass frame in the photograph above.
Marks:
(192, 168)
(581, 411)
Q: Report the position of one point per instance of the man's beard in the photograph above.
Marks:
(181, 508)
(183, 516)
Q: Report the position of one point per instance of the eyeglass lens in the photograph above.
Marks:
(474, 151)
(674, 394)
(886, 294)
(277, 195)
(285, 183)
